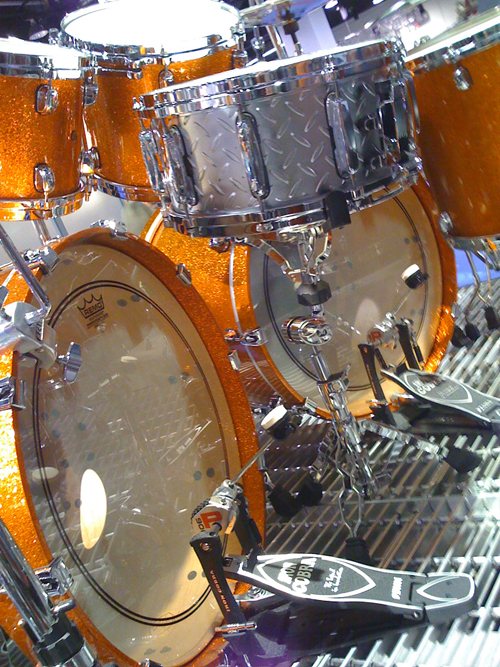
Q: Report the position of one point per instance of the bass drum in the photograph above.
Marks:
(106, 471)
(245, 290)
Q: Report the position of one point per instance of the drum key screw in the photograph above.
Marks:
(445, 223)
(220, 245)
(116, 227)
(234, 360)
(71, 362)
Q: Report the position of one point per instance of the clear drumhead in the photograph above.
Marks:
(162, 26)
(117, 461)
(364, 272)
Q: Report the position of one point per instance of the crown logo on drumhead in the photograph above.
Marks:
(91, 307)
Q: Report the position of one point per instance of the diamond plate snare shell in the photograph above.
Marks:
(249, 144)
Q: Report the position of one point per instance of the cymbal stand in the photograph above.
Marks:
(57, 641)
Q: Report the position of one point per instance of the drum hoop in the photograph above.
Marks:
(460, 48)
(34, 66)
(237, 86)
(34, 209)
(123, 191)
(135, 55)
(29, 535)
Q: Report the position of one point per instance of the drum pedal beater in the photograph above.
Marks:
(57, 641)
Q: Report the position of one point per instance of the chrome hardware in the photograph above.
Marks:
(216, 43)
(116, 227)
(165, 77)
(463, 78)
(90, 160)
(37, 341)
(220, 245)
(180, 184)
(236, 629)
(90, 91)
(445, 223)
(307, 330)
(46, 99)
(384, 334)
(4, 293)
(149, 154)
(56, 578)
(339, 119)
(234, 360)
(183, 273)
(46, 259)
(44, 179)
(71, 362)
(252, 156)
(220, 512)
(251, 338)
(12, 393)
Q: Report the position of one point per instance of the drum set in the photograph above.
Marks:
(294, 238)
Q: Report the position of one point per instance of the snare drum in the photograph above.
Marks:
(41, 103)
(458, 93)
(267, 145)
(139, 47)
(247, 291)
(106, 471)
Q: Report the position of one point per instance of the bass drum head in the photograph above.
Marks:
(364, 272)
(117, 461)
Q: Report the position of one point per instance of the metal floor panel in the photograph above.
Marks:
(426, 518)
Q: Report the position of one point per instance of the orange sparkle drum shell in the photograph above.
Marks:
(29, 139)
(113, 126)
(460, 141)
(23, 503)
(366, 280)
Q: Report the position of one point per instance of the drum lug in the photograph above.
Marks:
(12, 394)
(463, 78)
(234, 360)
(340, 121)
(445, 223)
(90, 90)
(220, 245)
(91, 160)
(150, 155)
(117, 228)
(250, 338)
(183, 273)
(56, 578)
(46, 99)
(44, 179)
(252, 156)
(180, 183)
(71, 362)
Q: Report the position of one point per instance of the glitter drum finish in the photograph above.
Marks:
(456, 80)
(251, 151)
(41, 104)
(106, 471)
(245, 289)
(137, 48)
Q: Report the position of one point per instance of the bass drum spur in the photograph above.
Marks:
(106, 471)
(246, 290)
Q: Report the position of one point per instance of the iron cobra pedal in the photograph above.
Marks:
(444, 392)
(343, 586)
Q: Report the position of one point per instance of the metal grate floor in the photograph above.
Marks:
(427, 518)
